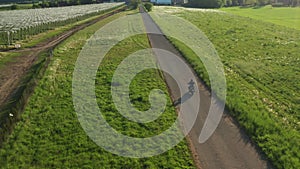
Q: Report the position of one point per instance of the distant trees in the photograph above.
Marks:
(250, 2)
(235, 3)
(57, 3)
(134, 3)
(13, 1)
(221, 3)
(148, 6)
(14, 6)
(207, 3)
(241, 2)
(263, 2)
(228, 3)
(295, 2)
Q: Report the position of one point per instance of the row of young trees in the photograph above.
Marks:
(16, 34)
(60, 3)
(221, 3)
(21, 24)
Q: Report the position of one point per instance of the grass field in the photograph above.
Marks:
(261, 62)
(49, 134)
(285, 16)
(6, 57)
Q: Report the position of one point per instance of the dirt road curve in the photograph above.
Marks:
(12, 73)
(229, 147)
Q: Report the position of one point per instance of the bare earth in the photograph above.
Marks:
(229, 147)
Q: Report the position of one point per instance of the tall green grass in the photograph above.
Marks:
(261, 62)
(7, 57)
(49, 134)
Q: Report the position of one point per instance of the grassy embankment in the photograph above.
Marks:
(49, 134)
(261, 62)
(284, 16)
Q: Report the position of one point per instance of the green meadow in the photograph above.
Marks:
(284, 16)
(261, 62)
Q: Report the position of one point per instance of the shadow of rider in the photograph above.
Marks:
(187, 95)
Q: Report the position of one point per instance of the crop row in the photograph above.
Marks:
(19, 24)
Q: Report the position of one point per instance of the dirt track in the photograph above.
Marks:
(229, 147)
(12, 73)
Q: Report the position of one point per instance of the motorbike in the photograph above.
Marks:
(191, 89)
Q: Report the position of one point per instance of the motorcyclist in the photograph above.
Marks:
(191, 86)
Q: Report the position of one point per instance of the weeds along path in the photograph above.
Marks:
(229, 147)
(12, 74)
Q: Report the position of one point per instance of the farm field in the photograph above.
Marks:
(49, 134)
(20, 24)
(20, 69)
(262, 66)
(261, 62)
(285, 16)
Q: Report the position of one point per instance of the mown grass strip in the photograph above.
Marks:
(284, 16)
(49, 134)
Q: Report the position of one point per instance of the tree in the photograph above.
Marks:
(148, 6)
(295, 2)
(235, 2)
(241, 2)
(87, 1)
(14, 6)
(250, 2)
(134, 3)
(228, 3)
(263, 2)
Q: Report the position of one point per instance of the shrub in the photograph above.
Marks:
(148, 6)
(14, 6)
(134, 3)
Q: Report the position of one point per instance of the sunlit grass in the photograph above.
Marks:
(285, 16)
